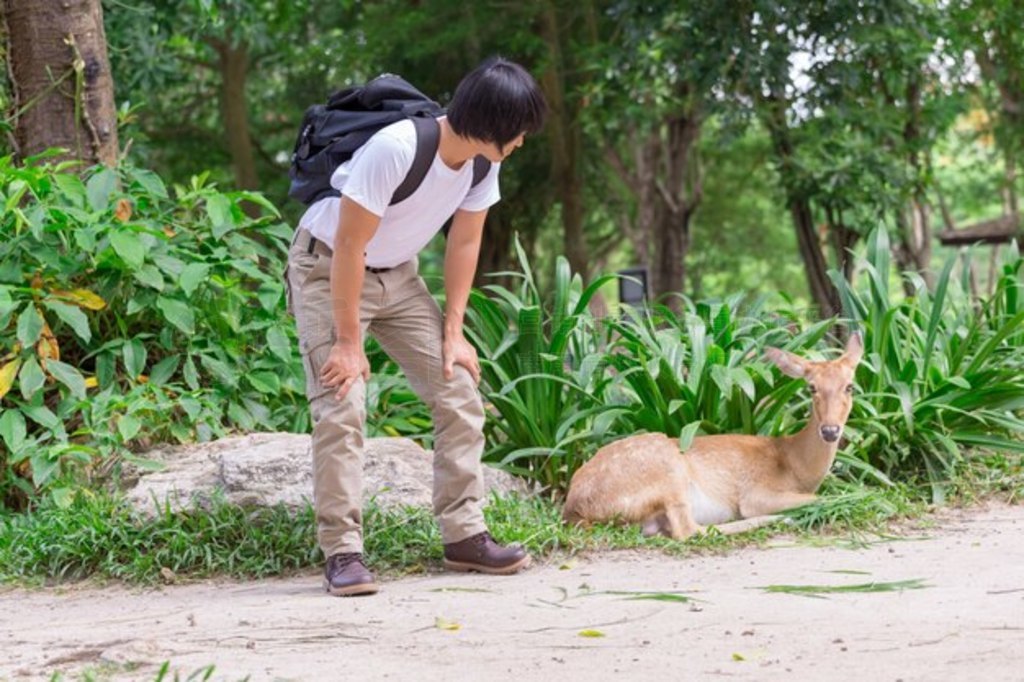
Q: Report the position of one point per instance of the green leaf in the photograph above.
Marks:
(177, 313)
(62, 497)
(265, 382)
(164, 370)
(43, 467)
(67, 375)
(591, 633)
(30, 378)
(30, 325)
(149, 275)
(686, 435)
(72, 188)
(218, 208)
(129, 247)
(279, 343)
(99, 188)
(192, 276)
(269, 294)
(149, 181)
(73, 317)
(193, 408)
(191, 375)
(134, 354)
(220, 370)
(743, 380)
(128, 426)
(42, 415)
(241, 417)
(12, 429)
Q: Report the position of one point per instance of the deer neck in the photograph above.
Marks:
(808, 456)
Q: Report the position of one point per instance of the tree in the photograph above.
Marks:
(988, 30)
(63, 93)
(649, 109)
(229, 80)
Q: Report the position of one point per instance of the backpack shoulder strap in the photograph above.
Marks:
(428, 136)
(481, 167)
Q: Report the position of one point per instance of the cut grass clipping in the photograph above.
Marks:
(817, 591)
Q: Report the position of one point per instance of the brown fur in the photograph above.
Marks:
(645, 479)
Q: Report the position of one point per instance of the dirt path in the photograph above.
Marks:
(968, 624)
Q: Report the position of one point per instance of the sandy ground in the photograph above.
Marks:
(968, 624)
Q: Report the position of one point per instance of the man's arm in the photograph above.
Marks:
(460, 261)
(347, 361)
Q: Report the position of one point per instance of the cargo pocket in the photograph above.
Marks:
(315, 352)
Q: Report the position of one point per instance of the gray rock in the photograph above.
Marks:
(265, 469)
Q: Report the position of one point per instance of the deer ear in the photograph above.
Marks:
(791, 365)
(854, 349)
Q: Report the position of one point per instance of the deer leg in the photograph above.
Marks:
(679, 521)
(743, 525)
(762, 502)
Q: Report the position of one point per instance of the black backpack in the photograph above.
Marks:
(331, 133)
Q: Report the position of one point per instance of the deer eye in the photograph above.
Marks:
(812, 389)
(849, 388)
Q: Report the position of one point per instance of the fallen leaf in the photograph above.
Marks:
(738, 657)
(123, 211)
(445, 624)
(7, 374)
(591, 633)
(47, 348)
(83, 298)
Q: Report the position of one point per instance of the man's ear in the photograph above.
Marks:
(791, 365)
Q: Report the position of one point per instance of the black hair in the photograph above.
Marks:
(497, 102)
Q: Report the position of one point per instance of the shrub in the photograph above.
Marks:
(942, 372)
(131, 315)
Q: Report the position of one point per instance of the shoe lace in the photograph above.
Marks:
(342, 560)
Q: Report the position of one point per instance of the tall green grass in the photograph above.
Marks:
(942, 373)
(544, 376)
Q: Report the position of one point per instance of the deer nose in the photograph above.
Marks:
(831, 433)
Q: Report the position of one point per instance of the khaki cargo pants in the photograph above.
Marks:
(400, 313)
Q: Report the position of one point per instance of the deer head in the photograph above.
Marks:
(830, 384)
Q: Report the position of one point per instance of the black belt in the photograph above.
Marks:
(314, 242)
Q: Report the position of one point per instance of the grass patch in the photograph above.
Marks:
(102, 537)
(847, 506)
(817, 591)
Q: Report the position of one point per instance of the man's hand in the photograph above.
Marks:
(458, 351)
(346, 363)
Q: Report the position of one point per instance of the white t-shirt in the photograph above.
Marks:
(371, 177)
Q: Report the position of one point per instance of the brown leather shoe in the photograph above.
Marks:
(345, 575)
(481, 553)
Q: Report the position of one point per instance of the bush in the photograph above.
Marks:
(942, 373)
(542, 373)
(131, 315)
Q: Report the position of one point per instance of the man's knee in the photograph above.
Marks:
(458, 396)
(349, 413)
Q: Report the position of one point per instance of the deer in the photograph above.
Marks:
(734, 482)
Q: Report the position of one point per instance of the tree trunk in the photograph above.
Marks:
(679, 192)
(917, 235)
(61, 81)
(495, 250)
(824, 295)
(563, 130)
(233, 66)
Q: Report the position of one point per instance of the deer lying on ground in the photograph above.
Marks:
(645, 479)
